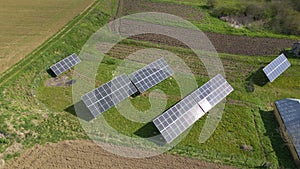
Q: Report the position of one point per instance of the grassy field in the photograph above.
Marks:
(248, 118)
(33, 113)
(27, 24)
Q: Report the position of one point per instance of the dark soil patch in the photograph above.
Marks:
(252, 46)
(186, 12)
(231, 44)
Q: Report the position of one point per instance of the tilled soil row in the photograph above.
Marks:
(86, 154)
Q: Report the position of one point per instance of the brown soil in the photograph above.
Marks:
(60, 81)
(232, 44)
(30, 23)
(86, 154)
(135, 6)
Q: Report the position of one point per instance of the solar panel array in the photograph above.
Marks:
(185, 113)
(212, 92)
(108, 95)
(65, 64)
(289, 110)
(276, 67)
(178, 118)
(151, 75)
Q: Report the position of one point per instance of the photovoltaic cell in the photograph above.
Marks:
(185, 113)
(65, 64)
(151, 75)
(108, 95)
(289, 110)
(212, 92)
(276, 67)
(178, 118)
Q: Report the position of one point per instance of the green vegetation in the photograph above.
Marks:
(270, 12)
(30, 115)
(279, 16)
(22, 119)
(248, 118)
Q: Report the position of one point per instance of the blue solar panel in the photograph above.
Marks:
(108, 95)
(65, 64)
(212, 92)
(289, 110)
(151, 75)
(276, 67)
(178, 118)
(185, 113)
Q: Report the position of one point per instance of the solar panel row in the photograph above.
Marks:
(65, 64)
(108, 95)
(212, 92)
(276, 67)
(185, 113)
(118, 89)
(151, 75)
(289, 110)
(178, 118)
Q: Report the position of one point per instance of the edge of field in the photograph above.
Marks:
(18, 67)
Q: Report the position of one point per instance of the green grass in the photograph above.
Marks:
(44, 112)
(242, 123)
(210, 23)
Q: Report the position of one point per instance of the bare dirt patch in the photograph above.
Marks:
(60, 81)
(231, 44)
(86, 154)
(186, 12)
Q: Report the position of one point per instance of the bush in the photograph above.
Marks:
(286, 22)
(296, 4)
(227, 11)
(257, 12)
(212, 3)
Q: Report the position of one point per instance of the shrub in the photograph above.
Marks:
(257, 12)
(227, 11)
(287, 22)
(212, 3)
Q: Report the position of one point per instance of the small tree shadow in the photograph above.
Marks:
(80, 110)
(257, 78)
(206, 7)
(150, 132)
(289, 53)
(51, 73)
(279, 145)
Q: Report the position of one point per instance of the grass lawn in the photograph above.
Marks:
(33, 113)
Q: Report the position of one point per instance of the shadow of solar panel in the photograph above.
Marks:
(276, 67)
(151, 75)
(289, 110)
(65, 64)
(108, 95)
(178, 118)
(212, 92)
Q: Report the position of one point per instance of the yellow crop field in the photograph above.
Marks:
(26, 24)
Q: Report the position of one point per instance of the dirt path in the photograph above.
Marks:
(86, 154)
